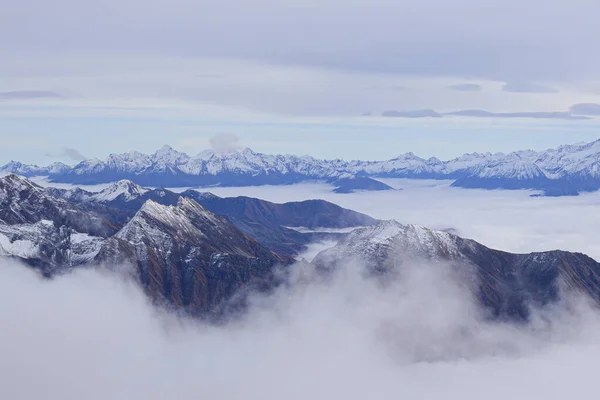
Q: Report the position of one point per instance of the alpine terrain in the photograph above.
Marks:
(200, 253)
(566, 170)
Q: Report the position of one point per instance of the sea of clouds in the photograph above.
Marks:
(509, 220)
(92, 334)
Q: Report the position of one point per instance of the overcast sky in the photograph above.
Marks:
(293, 76)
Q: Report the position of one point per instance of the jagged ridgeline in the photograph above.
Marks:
(184, 254)
(566, 170)
(196, 251)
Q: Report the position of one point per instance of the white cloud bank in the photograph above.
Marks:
(89, 335)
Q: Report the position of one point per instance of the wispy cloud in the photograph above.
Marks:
(28, 94)
(225, 142)
(534, 115)
(391, 88)
(585, 109)
(527, 87)
(68, 152)
(466, 87)
(425, 113)
(474, 113)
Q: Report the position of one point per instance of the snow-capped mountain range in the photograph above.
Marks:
(566, 170)
(197, 252)
(182, 253)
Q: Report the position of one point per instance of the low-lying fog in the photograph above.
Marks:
(92, 335)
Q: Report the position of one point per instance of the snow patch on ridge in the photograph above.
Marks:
(124, 189)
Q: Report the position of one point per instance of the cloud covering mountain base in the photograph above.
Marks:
(91, 334)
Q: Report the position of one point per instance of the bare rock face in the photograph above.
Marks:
(192, 258)
(184, 256)
(49, 248)
(24, 202)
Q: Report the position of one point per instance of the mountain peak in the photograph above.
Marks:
(168, 153)
(168, 159)
(18, 182)
(409, 156)
(24, 202)
(177, 216)
(165, 149)
(124, 189)
(151, 206)
(12, 164)
(130, 185)
(20, 168)
(185, 223)
(206, 154)
(551, 171)
(392, 240)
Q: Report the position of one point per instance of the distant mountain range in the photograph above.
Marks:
(566, 170)
(199, 253)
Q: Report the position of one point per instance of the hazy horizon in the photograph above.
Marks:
(283, 76)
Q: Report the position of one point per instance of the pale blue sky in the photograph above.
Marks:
(293, 76)
(40, 139)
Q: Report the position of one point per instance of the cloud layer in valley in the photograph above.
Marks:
(502, 219)
(91, 335)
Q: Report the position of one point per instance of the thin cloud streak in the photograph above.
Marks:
(527, 87)
(474, 113)
(590, 109)
(69, 153)
(466, 87)
(27, 95)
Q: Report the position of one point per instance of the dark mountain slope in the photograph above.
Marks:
(23, 202)
(265, 221)
(194, 259)
(506, 284)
